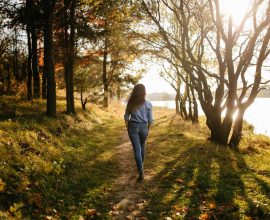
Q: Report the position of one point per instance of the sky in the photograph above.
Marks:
(154, 83)
(151, 76)
(152, 79)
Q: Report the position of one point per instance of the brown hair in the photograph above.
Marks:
(136, 98)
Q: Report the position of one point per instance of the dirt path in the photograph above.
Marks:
(129, 200)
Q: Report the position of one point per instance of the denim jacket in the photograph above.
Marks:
(142, 114)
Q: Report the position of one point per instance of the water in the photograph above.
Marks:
(258, 114)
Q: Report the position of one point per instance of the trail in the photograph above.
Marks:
(129, 199)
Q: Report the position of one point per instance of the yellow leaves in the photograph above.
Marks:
(180, 209)
(15, 210)
(15, 207)
(188, 193)
(2, 185)
(91, 212)
(204, 216)
(178, 180)
(212, 205)
(25, 182)
(192, 184)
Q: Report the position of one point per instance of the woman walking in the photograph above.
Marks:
(138, 118)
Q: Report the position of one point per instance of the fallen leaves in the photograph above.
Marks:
(15, 210)
(212, 205)
(92, 214)
(178, 180)
(188, 193)
(204, 216)
(15, 207)
(143, 218)
(180, 209)
(2, 185)
(208, 210)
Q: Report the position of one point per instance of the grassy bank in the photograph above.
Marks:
(192, 178)
(56, 167)
(64, 167)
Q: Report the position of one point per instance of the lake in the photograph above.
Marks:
(258, 114)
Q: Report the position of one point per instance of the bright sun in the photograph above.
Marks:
(235, 8)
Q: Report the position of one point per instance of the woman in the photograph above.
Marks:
(138, 119)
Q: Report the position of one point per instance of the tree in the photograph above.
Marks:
(171, 69)
(69, 57)
(218, 57)
(48, 7)
(118, 46)
(88, 80)
(185, 95)
(31, 29)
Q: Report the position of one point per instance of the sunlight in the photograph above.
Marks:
(235, 8)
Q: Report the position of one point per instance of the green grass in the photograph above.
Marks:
(192, 178)
(58, 167)
(64, 167)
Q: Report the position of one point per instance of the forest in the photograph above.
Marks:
(67, 72)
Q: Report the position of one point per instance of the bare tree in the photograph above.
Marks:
(224, 61)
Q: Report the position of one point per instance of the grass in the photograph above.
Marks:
(55, 167)
(64, 167)
(192, 178)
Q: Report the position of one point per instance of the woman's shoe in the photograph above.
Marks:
(141, 175)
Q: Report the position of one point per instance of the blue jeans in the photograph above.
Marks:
(138, 133)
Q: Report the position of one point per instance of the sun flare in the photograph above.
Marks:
(236, 8)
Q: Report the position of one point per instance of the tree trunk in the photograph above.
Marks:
(48, 57)
(237, 130)
(118, 93)
(29, 65)
(72, 55)
(177, 98)
(105, 77)
(190, 110)
(219, 133)
(8, 79)
(15, 56)
(67, 67)
(69, 59)
(195, 118)
(183, 108)
(83, 102)
(44, 85)
(35, 61)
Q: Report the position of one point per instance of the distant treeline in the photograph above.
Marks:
(164, 96)
(264, 93)
(160, 96)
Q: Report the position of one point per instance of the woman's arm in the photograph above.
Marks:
(126, 117)
(149, 125)
(150, 116)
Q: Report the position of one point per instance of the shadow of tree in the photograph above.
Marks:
(203, 181)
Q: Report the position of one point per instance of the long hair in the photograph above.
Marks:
(136, 99)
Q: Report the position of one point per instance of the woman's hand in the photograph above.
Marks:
(149, 125)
